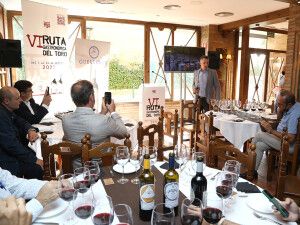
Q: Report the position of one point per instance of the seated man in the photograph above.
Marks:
(40, 193)
(19, 159)
(29, 110)
(84, 120)
(290, 111)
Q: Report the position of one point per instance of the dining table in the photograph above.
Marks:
(239, 210)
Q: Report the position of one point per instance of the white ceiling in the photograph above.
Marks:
(192, 12)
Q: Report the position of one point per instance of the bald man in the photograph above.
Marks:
(15, 157)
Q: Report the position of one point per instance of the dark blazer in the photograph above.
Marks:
(12, 152)
(24, 112)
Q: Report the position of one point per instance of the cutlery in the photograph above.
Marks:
(214, 176)
(266, 218)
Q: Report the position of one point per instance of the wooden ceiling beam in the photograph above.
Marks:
(274, 30)
(282, 13)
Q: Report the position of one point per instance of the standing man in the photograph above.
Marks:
(206, 84)
(29, 110)
(15, 157)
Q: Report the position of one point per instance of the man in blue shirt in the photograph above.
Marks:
(289, 109)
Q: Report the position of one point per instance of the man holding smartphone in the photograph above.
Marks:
(28, 109)
(293, 210)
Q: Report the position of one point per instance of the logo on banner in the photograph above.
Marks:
(47, 24)
(60, 19)
(94, 52)
(153, 107)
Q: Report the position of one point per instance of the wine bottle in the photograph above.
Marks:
(147, 191)
(199, 183)
(171, 186)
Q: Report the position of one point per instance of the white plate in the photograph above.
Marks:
(53, 208)
(128, 168)
(260, 204)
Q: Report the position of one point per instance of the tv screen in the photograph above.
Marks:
(182, 59)
(10, 53)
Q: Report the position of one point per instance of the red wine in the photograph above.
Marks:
(84, 211)
(191, 220)
(212, 215)
(82, 184)
(199, 183)
(103, 219)
(224, 191)
(67, 195)
(93, 178)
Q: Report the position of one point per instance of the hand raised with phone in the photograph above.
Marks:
(109, 102)
(47, 97)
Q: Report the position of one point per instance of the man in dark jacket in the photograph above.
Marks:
(20, 160)
(29, 110)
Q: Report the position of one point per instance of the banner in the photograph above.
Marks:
(45, 43)
(90, 52)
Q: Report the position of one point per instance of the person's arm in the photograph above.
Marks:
(291, 206)
(195, 82)
(40, 111)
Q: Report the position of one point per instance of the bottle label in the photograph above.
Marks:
(171, 191)
(147, 194)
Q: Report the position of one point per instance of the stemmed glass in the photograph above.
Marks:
(82, 179)
(66, 191)
(122, 157)
(159, 216)
(233, 166)
(213, 103)
(94, 169)
(180, 155)
(191, 212)
(83, 203)
(124, 214)
(153, 154)
(104, 211)
(212, 213)
(136, 159)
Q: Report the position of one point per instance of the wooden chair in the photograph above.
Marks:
(170, 125)
(105, 150)
(67, 154)
(150, 132)
(287, 185)
(187, 120)
(229, 152)
(291, 158)
(204, 129)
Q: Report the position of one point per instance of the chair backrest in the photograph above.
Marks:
(170, 125)
(150, 132)
(187, 112)
(204, 129)
(48, 151)
(229, 152)
(296, 154)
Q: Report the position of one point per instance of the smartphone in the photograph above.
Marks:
(279, 207)
(47, 90)
(107, 97)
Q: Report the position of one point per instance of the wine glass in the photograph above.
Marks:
(122, 157)
(124, 214)
(82, 179)
(66, 191)
(136, 159)
(191, 212)
(104, 211)
(153, 154)
(212, 213)
(233, 166)
(94, 169)
(160, 216)
(83, 203)
(213, 103)
(180, 155)
(238, 104)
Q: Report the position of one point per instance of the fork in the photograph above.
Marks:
(214, 176)
(265, 218)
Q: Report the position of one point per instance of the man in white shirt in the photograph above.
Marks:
(28, 109)
(40, 192)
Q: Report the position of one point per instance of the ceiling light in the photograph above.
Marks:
(106, 1)
(172, 7)
(224, 14)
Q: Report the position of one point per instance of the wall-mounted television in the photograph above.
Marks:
(10, 53)
(182, 59)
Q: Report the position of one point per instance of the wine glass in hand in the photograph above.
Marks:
(104, 211)
(124, 214)
(83, 179)
(122, 157)
(83, 203)
(191, 212)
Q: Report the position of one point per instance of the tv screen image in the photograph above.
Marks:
(182, 59)
(10, 53)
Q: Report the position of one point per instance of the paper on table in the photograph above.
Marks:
(36, 146)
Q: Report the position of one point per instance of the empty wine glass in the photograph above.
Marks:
(180, 155)
(160, 216)
(212, 213)
(83, 203)
(136, 157)
(104, 211)
(94, 169)
(83, 179)
(213, 104)
(153, 154)
(124, 214)
(191, 212)
(122, 156)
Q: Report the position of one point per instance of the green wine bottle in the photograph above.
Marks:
(171, 186)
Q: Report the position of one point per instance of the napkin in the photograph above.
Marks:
(247, 187)
(166, 165)
(36, 146)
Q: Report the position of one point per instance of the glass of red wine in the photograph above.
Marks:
(161, 217)
(122, 157)
(124, 214)
(191, 212)
(83, 179)
(83, 204)
(104, 211)
(212, 213)
(66, 192)
(94, 169)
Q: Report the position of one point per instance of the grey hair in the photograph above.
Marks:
(5, 93)
(81, 92)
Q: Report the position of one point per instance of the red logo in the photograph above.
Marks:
(60, 20)
(154, 91)
(47, 24)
